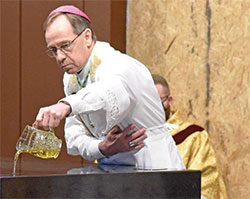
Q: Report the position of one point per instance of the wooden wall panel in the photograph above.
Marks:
(118, 23)
(100, 15)
(10, 82)
(109, 21)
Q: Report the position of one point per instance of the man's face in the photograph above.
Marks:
(60, 33)
(165, 99)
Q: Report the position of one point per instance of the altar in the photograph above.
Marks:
(105, 181)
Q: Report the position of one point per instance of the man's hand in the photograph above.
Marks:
(51, 116)
(122, 141)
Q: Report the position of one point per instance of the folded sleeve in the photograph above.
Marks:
(79, 141)
(103, 104)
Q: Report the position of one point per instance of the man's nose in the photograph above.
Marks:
(60, 55)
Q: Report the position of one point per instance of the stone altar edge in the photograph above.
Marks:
(163, 184)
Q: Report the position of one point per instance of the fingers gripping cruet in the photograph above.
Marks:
(37, 142)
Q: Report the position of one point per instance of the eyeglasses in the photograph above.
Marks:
(164, 99)
(65, 47)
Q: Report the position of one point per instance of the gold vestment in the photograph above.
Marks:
(198, 154)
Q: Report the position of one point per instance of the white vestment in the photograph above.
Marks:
(119, 91)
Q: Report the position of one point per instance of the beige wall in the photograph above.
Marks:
(203, 49)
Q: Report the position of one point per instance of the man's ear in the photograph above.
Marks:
(88, 37)
(170, 100)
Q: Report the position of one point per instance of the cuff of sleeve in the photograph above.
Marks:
(72, 101)
(72, 151)
(94, 148)
(93, 151)
(62, 101)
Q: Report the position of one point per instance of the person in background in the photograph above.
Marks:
(193, 144)
(112, 109)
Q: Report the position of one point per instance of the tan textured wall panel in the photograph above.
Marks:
(202, 49)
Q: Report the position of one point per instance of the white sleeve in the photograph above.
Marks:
(105, 103)
(79, 141)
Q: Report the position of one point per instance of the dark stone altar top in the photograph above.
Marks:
(105, 181)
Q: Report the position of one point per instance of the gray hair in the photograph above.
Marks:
(78, 23)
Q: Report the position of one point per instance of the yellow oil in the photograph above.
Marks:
(41, 153)
(38, 143)
(15, 161)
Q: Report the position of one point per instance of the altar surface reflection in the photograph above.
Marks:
(104, 181)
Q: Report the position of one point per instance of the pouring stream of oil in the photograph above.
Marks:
(42, 148)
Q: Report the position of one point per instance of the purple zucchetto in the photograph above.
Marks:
(70, 9)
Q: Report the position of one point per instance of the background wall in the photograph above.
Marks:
(29, 79)
(202, 49)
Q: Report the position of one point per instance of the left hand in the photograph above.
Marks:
(118, 141)
(51, 116)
